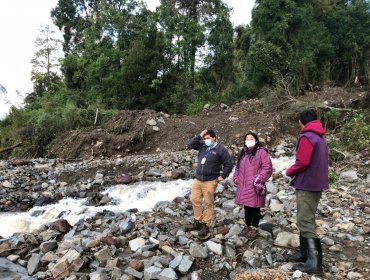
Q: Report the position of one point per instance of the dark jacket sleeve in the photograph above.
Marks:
(227, 163)
(195, 143)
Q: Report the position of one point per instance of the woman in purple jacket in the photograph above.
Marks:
(253, 169)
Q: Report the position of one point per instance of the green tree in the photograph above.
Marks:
(45, 64)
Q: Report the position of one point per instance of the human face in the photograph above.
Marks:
(209, 140)
(250, 141)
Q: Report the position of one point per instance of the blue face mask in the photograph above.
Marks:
(208, 142)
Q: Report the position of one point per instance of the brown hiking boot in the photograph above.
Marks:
(196, 225)
(204, 231)
(245, 230)
(252, 233)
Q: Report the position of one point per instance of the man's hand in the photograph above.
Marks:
(203, 133)
(286, 177)
(219, 179)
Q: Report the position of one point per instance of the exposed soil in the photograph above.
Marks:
(273, 118)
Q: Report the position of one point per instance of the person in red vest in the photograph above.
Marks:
(310, 178)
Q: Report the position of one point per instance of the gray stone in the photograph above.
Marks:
(126, 225)
(176, 262)
(186, 263)
(287, 239)
(328, 241)
(276, 206)
(214, 247)
(151, 122)
(230, 252)
(103, 254)
(33, 264)
(133, 272)
(152, 272)
(229, 204)
(183, 240)
(98, 275)
(7, 184)
(234, 230)
(136, 243)
(352, 275)
(349, 176)
(48, 246)
(168, 274)
(11, 271)
(197, 251)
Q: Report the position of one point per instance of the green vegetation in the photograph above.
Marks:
(120, 55)
(355, 134)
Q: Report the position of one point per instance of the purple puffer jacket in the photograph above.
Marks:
(259, 165)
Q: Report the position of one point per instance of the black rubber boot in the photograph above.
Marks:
(313, 263)
(301, 255)
(197, 225)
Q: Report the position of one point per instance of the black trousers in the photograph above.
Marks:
(252, 216)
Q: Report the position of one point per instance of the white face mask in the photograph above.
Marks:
(250, 143)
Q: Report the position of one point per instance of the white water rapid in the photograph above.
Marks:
(143, 196)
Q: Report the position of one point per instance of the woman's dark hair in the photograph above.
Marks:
(307, 116)
(245, 148)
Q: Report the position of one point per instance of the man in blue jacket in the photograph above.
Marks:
(214, 165)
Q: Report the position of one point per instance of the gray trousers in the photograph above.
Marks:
(307, 203)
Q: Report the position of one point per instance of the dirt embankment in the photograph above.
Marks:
(146, 131)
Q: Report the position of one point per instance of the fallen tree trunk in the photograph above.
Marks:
(3, 150)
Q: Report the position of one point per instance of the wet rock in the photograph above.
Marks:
(178, 173)
(61, 225)
(124, 180)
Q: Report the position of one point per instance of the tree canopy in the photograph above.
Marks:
(118, 54)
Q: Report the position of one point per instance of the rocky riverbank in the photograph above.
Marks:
(153, 244)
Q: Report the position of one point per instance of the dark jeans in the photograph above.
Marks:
(252, 216)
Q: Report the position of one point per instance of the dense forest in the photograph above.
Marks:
(118, 55)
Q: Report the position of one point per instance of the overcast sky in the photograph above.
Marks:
(20, 21)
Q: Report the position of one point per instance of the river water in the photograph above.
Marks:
(142, 195)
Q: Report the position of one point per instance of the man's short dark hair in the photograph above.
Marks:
(211, 133)
(307, 116)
